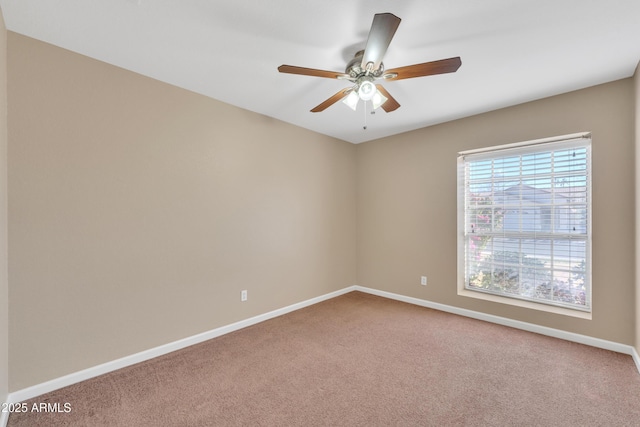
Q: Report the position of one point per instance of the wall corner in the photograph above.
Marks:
(636, 104)
(4, 277)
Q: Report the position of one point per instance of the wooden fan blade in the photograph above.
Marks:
(390, 104)
(291, 69)
(443, 66)
(335, 98)
(383, 28)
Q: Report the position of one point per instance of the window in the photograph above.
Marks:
(524, 222)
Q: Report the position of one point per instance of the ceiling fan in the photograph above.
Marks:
(366, 67)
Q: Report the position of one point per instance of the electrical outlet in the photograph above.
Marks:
(243, 295)
(423, 280)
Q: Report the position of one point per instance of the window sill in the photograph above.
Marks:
(525, 304)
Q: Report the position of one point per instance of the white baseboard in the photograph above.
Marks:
(46, 387)
(517, 324)
(636, 357)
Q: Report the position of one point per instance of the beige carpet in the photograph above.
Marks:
(361, 360)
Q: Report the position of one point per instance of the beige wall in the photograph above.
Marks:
(407, 204)
(4, 284)
(636, 80)
(139, 211)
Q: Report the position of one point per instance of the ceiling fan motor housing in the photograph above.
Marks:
(355, 70)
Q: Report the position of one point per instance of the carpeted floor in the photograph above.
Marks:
(361, 360)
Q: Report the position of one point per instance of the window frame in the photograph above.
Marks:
(521, 148)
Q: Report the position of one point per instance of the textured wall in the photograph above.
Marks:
(407, 205)
(138, 211)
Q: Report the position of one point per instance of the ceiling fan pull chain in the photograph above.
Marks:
(365, 115)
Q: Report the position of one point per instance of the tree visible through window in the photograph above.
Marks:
(525, 221)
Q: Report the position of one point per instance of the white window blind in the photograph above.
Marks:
(526, 221)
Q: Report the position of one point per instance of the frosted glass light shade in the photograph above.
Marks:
(366, 90)
(351, 100)
(378, 99)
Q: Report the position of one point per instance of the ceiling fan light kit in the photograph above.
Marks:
(376, 98)
(366, 67)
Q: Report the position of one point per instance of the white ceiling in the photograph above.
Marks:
(512, 51)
